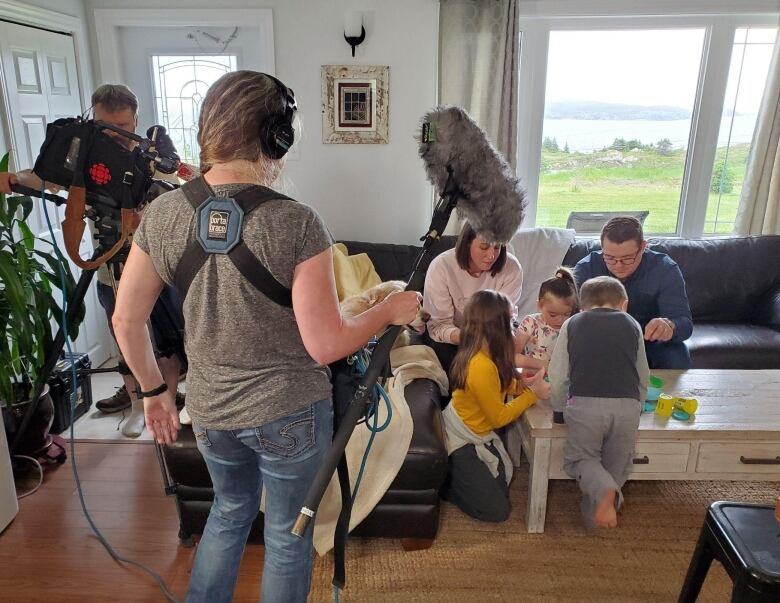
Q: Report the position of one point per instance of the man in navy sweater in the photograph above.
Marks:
(655, 287)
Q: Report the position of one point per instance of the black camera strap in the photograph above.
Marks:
(198, 192)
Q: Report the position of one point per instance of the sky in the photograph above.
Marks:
(651, 67)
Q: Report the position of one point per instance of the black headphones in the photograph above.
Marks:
(276, 133)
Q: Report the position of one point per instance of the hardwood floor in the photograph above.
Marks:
(49, 553)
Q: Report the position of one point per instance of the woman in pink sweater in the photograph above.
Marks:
(454, 276)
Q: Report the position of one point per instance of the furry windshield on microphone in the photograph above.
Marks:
(492, 199)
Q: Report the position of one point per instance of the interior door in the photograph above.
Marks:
(41, 84)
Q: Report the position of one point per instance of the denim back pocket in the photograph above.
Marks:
(201, 436)
(289, 437)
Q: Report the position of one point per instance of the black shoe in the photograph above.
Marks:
(119, 401)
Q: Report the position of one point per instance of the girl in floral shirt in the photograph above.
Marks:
(536, 336)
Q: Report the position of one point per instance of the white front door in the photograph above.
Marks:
(41, 83)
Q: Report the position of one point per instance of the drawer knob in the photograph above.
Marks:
(759, 461)
(645, 460)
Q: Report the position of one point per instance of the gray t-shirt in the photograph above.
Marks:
(247, 362)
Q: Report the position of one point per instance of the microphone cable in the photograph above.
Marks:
(361, 362)
(114, 555)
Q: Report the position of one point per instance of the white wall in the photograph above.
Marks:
(74, 8)
(366, 192)
(137, 45)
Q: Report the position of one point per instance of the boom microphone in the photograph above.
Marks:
(457, 153)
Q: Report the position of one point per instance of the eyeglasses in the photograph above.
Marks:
(622, 261)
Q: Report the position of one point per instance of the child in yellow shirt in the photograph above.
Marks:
(482, 375)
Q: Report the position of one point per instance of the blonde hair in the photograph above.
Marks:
(602, 291)
(232, 115)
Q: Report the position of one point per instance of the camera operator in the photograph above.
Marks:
(117, 105)
(258, 388)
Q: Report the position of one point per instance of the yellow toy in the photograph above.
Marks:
(665, 405)
(679, 408)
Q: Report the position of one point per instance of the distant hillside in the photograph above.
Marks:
(574, 109)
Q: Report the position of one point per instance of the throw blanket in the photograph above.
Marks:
(354, 273)
(540, 251)
(459, 435)
(388, 450)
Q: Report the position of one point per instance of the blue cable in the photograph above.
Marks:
(373, 411)
(73, 388)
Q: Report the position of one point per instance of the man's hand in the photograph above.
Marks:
(659, 329)
(25, 178)
(162, 418)
(7, 180)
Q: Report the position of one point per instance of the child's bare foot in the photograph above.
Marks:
(605, 515)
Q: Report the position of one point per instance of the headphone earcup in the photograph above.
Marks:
(276, 138)
(282, 136)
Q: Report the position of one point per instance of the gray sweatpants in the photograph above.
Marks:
(600, 446)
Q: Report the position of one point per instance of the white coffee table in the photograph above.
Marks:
(735, 435)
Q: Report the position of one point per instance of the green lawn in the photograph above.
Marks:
(633, 180)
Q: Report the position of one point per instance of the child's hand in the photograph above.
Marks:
(538, 385)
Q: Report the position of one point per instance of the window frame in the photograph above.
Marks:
(719, 32)
(151, 53)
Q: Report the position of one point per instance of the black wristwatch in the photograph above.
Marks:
(154, 392)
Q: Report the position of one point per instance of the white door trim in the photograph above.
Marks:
(54, 21)
(107, 20)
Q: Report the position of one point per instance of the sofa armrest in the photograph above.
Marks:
(425, 465)
(767, 311)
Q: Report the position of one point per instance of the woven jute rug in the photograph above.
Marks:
(644, 559)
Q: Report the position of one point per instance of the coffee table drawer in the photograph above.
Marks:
(748, 457)
(661, 457)
(649, 457)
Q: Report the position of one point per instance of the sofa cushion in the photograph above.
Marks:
(734, 346)
(396, 262)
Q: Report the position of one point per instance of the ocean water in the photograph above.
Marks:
(587, 135)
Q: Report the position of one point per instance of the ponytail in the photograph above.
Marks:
(562, 286)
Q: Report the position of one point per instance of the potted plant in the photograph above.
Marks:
(30, 286)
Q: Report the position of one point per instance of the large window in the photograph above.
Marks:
(180, 83)
(750, 58)
(617, 118)
(648, 115)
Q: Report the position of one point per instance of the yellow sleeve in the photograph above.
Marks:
(483, 382)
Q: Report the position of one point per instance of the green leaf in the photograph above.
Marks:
(27, 236)
(54, 265)
(27, 205)
(28, 308)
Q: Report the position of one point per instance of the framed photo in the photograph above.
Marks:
(355, 104)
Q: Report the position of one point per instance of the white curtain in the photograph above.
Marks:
(759, 205)
(479, 50)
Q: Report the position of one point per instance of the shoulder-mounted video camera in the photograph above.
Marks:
(106, 181)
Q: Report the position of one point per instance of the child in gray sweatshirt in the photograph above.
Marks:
(598, 377)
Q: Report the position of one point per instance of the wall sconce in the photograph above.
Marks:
(354, 33)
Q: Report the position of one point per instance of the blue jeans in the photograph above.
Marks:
(667, 355)
(283, 456)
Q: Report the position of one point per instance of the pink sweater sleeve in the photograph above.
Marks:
(438, 300)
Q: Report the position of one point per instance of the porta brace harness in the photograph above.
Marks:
(219, 224)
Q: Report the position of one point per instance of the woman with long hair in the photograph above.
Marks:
(482, 376)
(258, 387)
